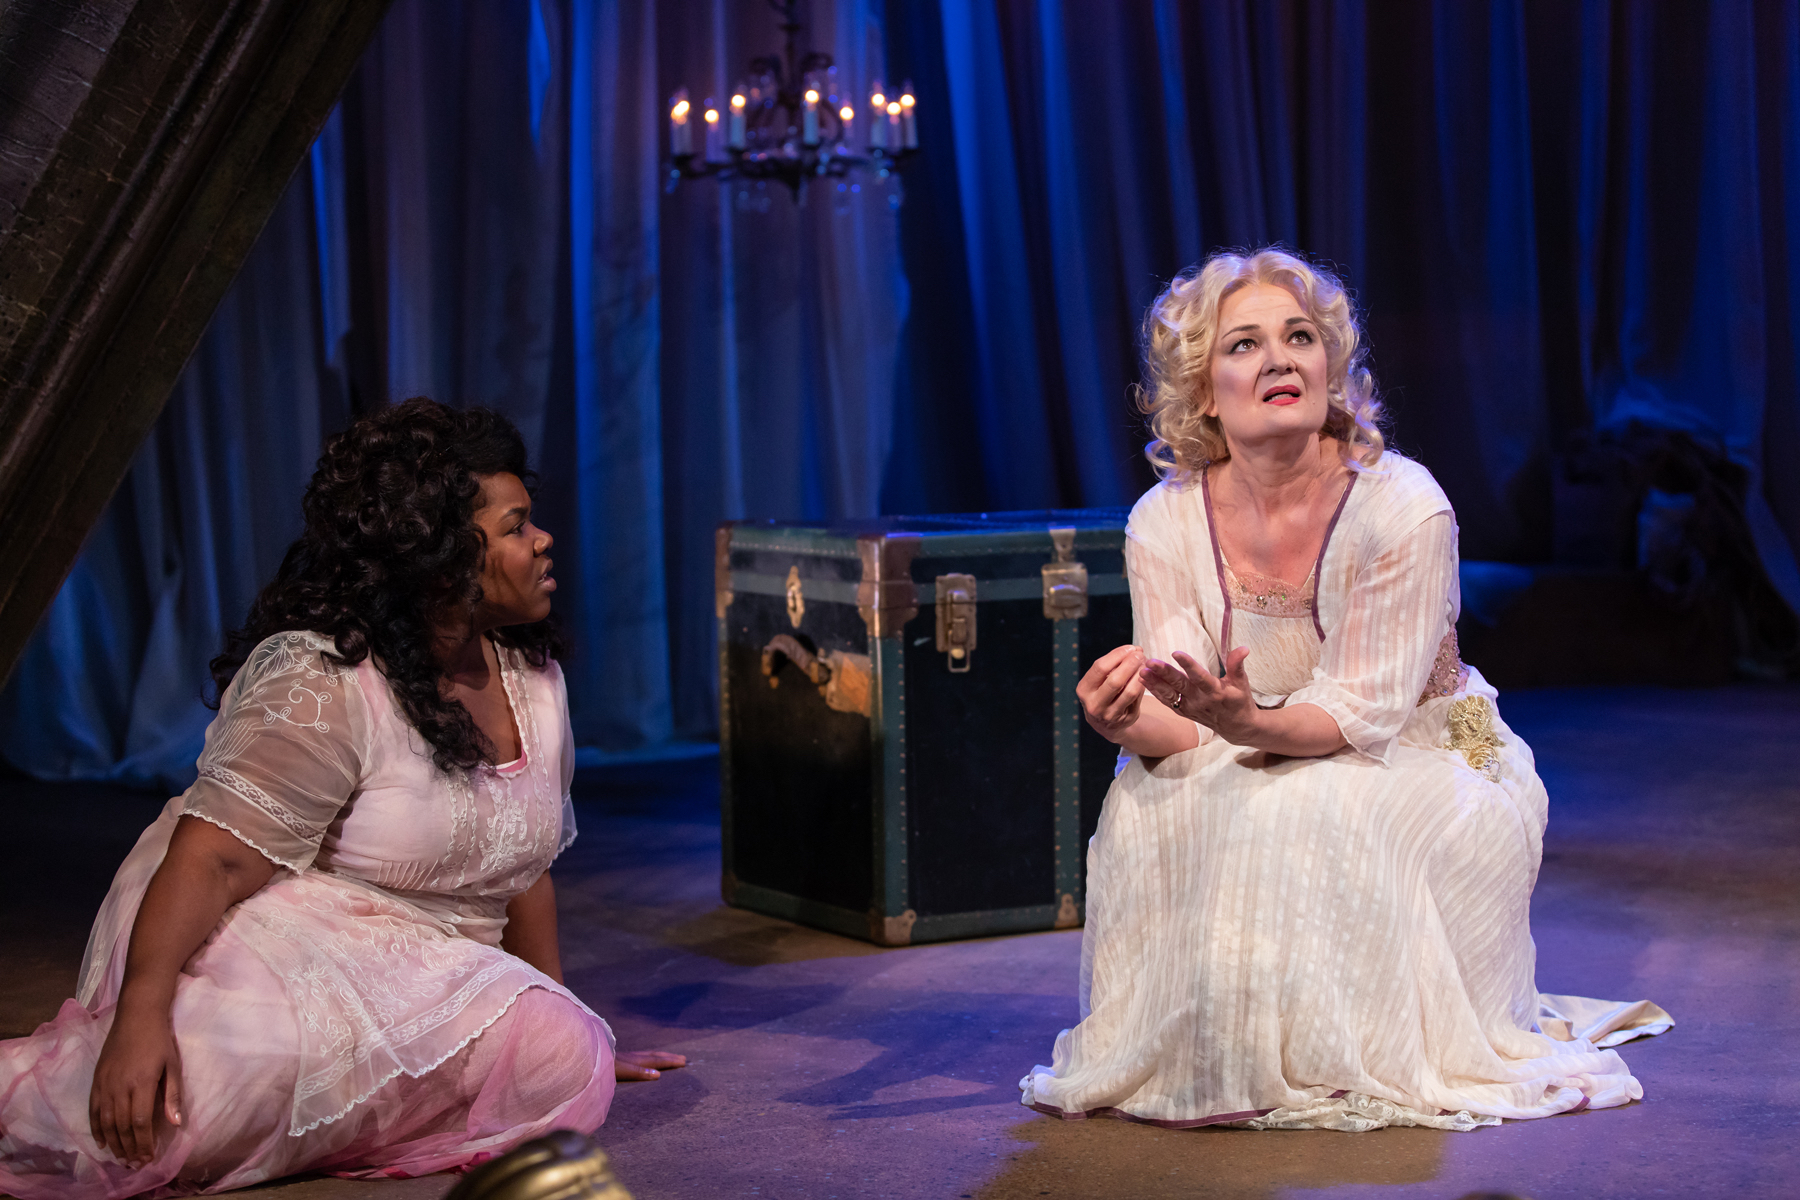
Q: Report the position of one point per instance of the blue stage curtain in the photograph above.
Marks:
(781, 326)
(1097, 150)
(1558, 217)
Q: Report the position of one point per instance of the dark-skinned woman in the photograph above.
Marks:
(337, 951)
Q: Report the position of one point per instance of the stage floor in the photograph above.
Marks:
(823, 1067)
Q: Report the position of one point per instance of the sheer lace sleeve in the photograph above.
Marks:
(1165, 611)
(285, 752)
(1375, 661)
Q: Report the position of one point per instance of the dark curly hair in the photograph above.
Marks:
(390, 543)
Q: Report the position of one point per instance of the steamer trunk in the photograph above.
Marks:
(903, 757)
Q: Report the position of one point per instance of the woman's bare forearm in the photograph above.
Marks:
(531, 928)
(1296, 731)
(1158, 732)
(1301, 731)
(205, 872)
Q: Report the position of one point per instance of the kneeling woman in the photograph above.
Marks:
(1308, 896)
(337, 951)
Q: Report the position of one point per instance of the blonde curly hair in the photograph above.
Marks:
(1179, 332)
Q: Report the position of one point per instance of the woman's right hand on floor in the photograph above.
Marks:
(635, 1065)
(139, 1060)
(1111, 692)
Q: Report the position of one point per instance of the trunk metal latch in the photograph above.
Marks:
(1065, 580)
(956, 619)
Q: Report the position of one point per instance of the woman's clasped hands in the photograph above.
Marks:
(1224, 705)
(1113, 692)
(1150, 708)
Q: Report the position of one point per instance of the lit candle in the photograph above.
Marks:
(680, 137)
(909, 130)
(735, 137)
(715, 133)
(809, 120)
(893, 124)
(878, 138)
(846, 115)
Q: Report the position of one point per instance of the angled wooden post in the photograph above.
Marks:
(143, 145)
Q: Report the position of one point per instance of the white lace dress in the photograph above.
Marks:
(356, 1014)
(1338, 942)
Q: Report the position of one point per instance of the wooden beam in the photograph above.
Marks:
(143, 145)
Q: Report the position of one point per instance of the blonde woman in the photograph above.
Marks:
(1308, 896)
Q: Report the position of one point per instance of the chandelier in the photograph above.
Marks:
(792, 120)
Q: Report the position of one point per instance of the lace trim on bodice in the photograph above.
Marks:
(480, 841)
(1268, 596)
(493, 810)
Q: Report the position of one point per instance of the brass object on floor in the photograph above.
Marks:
(563, 1165)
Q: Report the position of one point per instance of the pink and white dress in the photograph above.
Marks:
(1339, 942)
(357, 1015)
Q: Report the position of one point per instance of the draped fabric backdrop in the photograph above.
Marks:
(1557, 216)
(483, 221)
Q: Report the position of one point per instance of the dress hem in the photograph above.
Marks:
(399, 1071)
(1252, 1114)
(1161, 1123)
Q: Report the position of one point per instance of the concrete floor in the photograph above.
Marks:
(822, 1067)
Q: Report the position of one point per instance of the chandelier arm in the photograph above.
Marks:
(789, 92)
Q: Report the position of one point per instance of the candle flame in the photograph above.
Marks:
(878, 102)
(812, 95)
(906, 101)
(846, 113)
(680, 111)
(712, 116)
(894, 109)
(737, 101)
